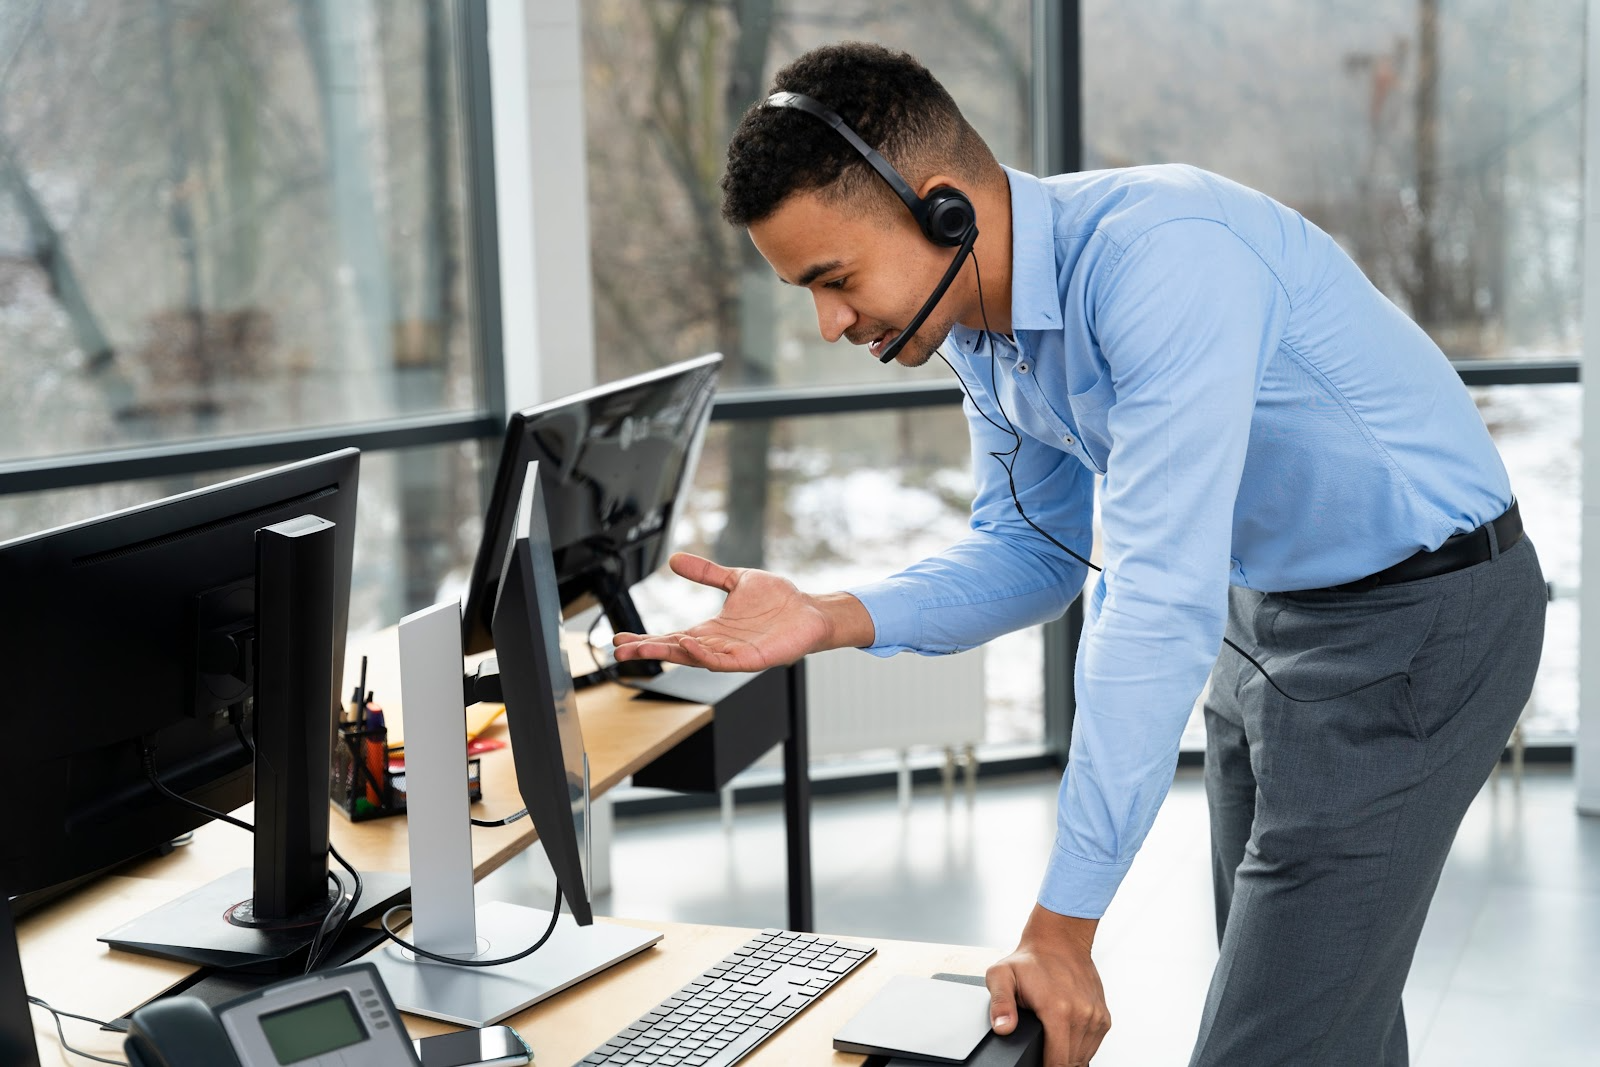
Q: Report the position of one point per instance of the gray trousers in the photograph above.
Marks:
(1331, 818)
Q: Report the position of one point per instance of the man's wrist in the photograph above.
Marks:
(849, 621)
(1056, 928)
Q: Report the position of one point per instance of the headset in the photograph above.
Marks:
(945, 215)
(947, 219)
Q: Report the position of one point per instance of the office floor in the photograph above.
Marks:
(1508, 969)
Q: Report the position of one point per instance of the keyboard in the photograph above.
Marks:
(734, 1004)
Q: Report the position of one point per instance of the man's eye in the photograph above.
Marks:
(837, 283)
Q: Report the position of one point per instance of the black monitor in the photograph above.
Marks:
(146, 630)
(541, 710)
(614, 462)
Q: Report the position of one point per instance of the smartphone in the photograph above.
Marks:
(491, 1046)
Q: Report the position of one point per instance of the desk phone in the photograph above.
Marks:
(340, 1018)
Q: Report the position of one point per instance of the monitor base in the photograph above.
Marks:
(482, 996)
(194, 928)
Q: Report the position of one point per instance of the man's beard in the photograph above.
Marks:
(924, 344)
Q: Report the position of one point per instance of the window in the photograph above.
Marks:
(221, 222)
(1439, 143)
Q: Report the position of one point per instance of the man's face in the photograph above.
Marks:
(868, 272)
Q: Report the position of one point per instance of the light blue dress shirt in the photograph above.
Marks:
(1262, 416)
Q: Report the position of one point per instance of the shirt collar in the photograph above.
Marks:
(1035, 302)
(1035, 299)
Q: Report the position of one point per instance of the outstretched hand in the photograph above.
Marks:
(765, 622)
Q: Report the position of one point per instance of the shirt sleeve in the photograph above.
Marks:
(1004, 575)
(1186, 318)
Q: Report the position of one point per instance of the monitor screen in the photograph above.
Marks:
(541, 708)
(136, 629)
(614, 462)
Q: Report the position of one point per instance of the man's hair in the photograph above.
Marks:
(887, 97)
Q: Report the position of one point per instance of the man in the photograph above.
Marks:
(1299, 499)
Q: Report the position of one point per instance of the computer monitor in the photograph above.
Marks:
(146, 629)
(552, 777)
(541, 707)
(614, 461)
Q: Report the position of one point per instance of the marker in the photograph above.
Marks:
(377, 751)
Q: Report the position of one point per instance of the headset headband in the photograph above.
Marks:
(870, 154)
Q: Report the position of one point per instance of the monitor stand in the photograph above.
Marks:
(623, 615)
(445, 918)
(263, 916)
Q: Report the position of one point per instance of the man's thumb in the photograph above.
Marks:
(1002, 999)
(702, 570)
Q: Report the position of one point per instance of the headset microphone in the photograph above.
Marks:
(893, 348)
(945, 215)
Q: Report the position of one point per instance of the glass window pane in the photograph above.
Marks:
(848, 499)
(1538, 429)
(1439, 143)
(665, 85)
(219, 218)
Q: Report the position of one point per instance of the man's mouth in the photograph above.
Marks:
(876, 347)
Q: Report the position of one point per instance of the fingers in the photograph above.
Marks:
(702, 570)
(666, 647)
(672, 648)
(1072, 1032)
(1002, 983)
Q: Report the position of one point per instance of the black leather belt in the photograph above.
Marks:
(1461, 550)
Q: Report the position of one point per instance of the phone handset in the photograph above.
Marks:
(339, 1018)
(178, 1032)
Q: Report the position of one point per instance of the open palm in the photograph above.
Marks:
(766, 621)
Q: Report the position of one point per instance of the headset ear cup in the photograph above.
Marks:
(947, 216)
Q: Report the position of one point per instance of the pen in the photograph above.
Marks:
(362, 696)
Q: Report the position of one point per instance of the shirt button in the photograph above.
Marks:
(1022, 368)
(1067, 438)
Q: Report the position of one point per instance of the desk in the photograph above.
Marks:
(65, 965)
(68, 968)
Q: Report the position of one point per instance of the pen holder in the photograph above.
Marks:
(363, 787)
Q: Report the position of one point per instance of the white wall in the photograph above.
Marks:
(536, 84)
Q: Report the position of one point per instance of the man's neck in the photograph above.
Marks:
(990, 306)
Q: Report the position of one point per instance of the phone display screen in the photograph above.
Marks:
(312, 1029)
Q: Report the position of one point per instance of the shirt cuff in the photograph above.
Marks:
(896, 619)
(1080, 887)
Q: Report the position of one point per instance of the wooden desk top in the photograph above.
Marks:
(620, 733)
(567, 1027)
(67, 967)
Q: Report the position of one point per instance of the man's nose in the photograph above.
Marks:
(834, 316)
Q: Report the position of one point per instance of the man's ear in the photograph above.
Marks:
(934, 182)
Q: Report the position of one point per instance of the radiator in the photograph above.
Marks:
(857, 702)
